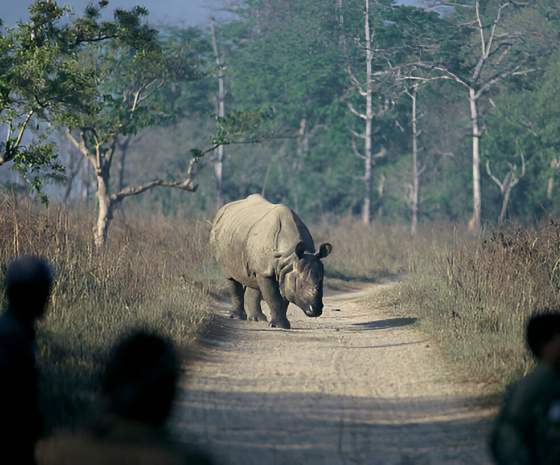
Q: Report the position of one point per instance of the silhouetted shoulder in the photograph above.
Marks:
(117, 448)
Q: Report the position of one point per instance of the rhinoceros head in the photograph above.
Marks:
(301, 282)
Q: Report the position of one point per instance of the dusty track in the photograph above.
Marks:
(354, 386)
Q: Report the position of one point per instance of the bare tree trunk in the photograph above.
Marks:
(105, 207)
(73, 169)
(123, 142)
(415, 170)
(301, 145)
(123, 145)
(554, 164)
(477, 202)
(369, 119)
(505, 201)
(380, 194)
(219, 163)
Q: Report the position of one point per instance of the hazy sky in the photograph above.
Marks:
(172, 12)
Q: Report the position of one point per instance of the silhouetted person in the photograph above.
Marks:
(138, 388)
(28, 282)
(527, 429)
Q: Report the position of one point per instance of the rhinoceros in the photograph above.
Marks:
(266, 252)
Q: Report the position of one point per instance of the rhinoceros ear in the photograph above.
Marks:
(324, 250)
(300, 249)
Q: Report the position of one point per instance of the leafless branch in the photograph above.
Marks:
(494, 178)
(11, 149)
(186, 184)
(356, 112)
(502, 75)
(355, 133)
(79, 144)
(380, 154)
(139, 98)
(356, 151)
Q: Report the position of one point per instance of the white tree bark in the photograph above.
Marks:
(219, 163)
(477, 200)
(416, 170)
(510, 180)
(476, 86)
(101, 160)
(369, 120)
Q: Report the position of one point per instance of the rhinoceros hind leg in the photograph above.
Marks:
(253, 299)
(236, 290)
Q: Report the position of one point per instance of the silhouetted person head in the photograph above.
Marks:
(28, 284)
(543, 336)
(140, 379)
(28, 281)
(138, 386)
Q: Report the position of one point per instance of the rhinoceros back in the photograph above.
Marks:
(250, 235)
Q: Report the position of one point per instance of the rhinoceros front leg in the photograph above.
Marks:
(253, 299)
(236, 290)
(277, 305)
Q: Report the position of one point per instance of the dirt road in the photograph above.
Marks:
(355, 386)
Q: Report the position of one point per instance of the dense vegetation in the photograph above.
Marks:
(296, 85)
(365, 117)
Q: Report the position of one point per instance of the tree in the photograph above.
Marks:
(284, 55)
(510, 180)
(221, 112)
(499, 48)
(523, 124)
(39, 79)
(418, 36)
(371, 82)
(131, 71)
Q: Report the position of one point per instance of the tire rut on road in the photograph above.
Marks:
(355, 386)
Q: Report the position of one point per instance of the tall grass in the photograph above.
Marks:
(362, 252)
(153, 274)
(472, 295)
(475, 295)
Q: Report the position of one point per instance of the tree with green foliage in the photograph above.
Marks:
(522, 129)
(285, 56)
(40, 78)
(131, 70)
(368, 85)
(501, 45)
(420, 40)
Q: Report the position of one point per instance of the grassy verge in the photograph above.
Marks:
(154, 275)
(474, 296)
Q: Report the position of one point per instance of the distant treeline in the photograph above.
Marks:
(347, 108)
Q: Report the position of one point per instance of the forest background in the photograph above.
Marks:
(304, 67)
(395, 132)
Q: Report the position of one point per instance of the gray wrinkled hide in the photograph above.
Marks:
(255, 244)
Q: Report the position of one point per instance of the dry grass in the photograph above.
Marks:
(475, 295)
(360, 252)
(153, 275)
(472, 295)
